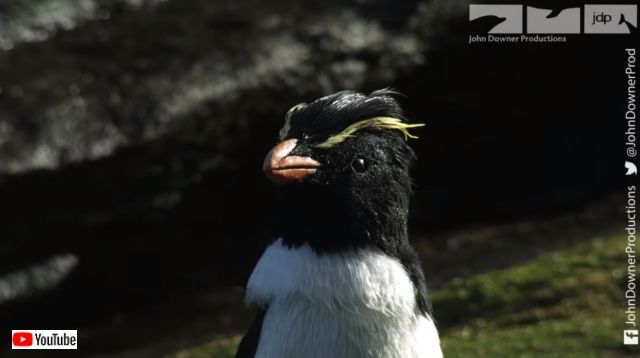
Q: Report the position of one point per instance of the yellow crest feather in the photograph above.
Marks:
(375, 122)
(287, 121)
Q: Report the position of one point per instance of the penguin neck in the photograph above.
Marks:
(334, 220)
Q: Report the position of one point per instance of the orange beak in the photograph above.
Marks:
(281, 168)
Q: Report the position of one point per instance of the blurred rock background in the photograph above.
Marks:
(132, 134)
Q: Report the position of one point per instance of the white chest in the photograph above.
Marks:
(351, 305)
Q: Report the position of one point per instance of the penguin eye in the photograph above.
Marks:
(359, 165)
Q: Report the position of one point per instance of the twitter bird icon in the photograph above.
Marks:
(631, 168)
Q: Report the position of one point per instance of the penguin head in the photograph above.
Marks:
(342, 171)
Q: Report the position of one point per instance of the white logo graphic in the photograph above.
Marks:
(631, 336)
(543, 21)
(610, 19)
(500, 19)
(631, 168)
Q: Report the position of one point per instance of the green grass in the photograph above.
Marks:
(224, 348)
(562, 304)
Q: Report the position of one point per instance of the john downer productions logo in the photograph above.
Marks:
(596, 19)
(44, 339)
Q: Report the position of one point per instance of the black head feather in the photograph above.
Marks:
(331, 114)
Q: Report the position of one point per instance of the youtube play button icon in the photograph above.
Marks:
(22, 339)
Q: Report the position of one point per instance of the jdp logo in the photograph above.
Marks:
(44, 339)
(610, 19)
(598, 19)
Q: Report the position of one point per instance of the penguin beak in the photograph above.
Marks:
(281, 168)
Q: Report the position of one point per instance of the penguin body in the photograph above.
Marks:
(358, 303)
(339, 278)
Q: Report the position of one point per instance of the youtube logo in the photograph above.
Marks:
(22, 339)
(44, 339)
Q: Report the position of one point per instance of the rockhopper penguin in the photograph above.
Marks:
(340, 279)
